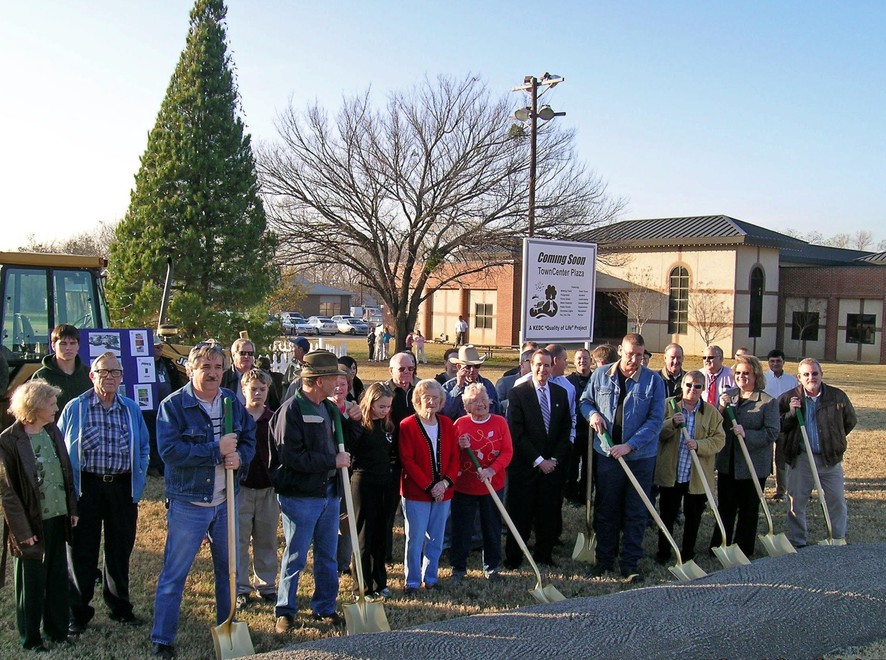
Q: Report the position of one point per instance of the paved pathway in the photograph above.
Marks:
(799, 606)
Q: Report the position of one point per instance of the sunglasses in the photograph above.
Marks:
(708, 358)
(246, 353)
(693, 386)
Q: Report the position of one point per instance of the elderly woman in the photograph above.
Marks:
(39, 509)
(758, 422)
(675, 473)
(489, 438)
(429, 454)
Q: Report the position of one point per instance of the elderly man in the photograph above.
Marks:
(627, 400)
(468, 362)
(109, 446)
(63, 368)
(577, 476)
(540, 425)
(196, 449)
(829, 418)
(717, 378)
(307, 432)
(777, 383)
(672, 373)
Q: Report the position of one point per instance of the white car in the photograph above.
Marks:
(350, 325)
(295, 324)
(324, 325)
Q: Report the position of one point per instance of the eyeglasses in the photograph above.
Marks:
(104, 373)
(693, 386)
(810, 374)
(245, 353)
(708, 358)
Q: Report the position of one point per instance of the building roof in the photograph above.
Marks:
(823, 255)
(323, 290)
(878, 258)
(703, 230)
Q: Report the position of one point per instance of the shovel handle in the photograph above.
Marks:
(230, 509)
(352, 525)
(814, 469)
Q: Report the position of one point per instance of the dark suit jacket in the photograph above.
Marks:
(528, 430)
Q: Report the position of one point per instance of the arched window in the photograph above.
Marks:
(678, 301)
(755, 313)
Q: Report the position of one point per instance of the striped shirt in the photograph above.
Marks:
(684, 460)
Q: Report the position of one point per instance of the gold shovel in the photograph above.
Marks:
(683, 571)
(729, 555)
(830, 540)
(775, 544)
(231, 638)
(586, 542)
(543, 594)
(362, 616)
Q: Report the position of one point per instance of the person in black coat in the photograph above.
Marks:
(541, 453)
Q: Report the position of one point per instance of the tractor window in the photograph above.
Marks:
(74, 298)
(25, 331)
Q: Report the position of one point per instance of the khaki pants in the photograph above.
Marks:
(799, 488)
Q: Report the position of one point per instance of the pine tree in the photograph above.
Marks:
(196, 199)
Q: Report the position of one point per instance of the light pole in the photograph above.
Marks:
(532, 113)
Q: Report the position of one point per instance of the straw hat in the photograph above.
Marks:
(468, 356)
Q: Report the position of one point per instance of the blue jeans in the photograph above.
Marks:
(464, 509)
(620, 509)
(186, 526)
(307, 519)
(425, 526)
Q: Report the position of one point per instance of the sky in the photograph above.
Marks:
(771, 112)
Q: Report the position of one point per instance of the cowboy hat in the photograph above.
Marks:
(468, 355)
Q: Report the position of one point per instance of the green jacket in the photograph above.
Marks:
(710, 437)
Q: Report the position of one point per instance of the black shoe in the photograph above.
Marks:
(599, 570)
(76, 628)
(512, 565)
(546, 561)
(332, 619)
(127, 619)
(37, 648)
(243, 601)
(434, 586)
(284, 624)
(162, 650)
(270, 597)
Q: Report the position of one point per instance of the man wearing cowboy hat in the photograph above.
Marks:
(469, 363)
(306, 432)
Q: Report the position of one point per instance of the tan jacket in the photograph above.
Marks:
(710, 437)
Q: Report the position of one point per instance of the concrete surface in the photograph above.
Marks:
(797, 606)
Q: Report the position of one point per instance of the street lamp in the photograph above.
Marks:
(532, 113)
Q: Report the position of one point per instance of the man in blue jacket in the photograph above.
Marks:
(107, 440)
(197, 451)
(627, 400)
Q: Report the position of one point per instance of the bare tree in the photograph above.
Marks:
(95, 242)
(881, 246)
(863, 239)
(641, 300)
(709, 315)
(418, 194)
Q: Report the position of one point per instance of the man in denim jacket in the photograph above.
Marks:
(627, 400)
(196, 451)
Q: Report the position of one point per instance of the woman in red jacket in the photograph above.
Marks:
(429, 454)
(490, 439)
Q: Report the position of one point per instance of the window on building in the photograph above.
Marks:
(804, 326)
(678, 301)
(483, 316)
(755, 314)
(860, 328)
(330, 305)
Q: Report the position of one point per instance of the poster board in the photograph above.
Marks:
(559, 287)
(135, 350)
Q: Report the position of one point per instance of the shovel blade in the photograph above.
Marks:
(232, 640)
(832, 542)
(776, 545)
(365, 617)
(585, 548)
(731, 556)
(687, 571)
(546, 594)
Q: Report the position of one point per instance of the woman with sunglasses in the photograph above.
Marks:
(675, 474)
(757, 421)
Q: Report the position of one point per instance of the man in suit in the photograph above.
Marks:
(540, 424)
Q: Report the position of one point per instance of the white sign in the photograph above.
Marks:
(559, 283)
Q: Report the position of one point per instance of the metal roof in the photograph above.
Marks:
(703, 230)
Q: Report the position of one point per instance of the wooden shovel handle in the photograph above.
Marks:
(815, 477)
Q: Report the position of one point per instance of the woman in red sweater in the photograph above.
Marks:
(490, 439)
(429, 454)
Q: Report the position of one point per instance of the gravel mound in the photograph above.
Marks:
(798, 606)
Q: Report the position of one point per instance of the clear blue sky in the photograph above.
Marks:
(772, 112)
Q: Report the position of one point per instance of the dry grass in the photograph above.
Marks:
(865, 468)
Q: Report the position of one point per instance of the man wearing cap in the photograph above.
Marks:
(307, 431)
(108, 442)
(197, 452)
(469, 363)
(300, 347)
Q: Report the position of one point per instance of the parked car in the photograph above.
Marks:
(350, 325)
(295, 324)
(324, 325)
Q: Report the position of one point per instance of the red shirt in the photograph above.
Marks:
(491, 442)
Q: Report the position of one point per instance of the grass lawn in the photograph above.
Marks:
(865, 467)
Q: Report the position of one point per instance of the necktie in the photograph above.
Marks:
(712, 390)
(545, 407)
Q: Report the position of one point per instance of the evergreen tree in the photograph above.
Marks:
(196, 198)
